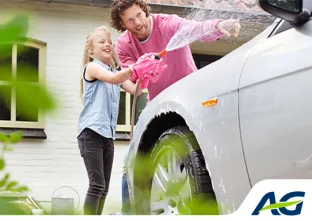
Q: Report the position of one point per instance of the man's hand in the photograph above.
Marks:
(229, 26)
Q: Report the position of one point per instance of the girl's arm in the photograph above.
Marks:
(131, 87)
(96, 71)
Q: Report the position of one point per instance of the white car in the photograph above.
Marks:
(242, 119)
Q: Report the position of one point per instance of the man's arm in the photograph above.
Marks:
(207, 31)
(192, 29)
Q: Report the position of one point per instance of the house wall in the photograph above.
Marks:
(45, 165)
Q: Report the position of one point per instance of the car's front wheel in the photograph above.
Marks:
(172, 178)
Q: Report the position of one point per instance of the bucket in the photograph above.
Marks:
(62, 204)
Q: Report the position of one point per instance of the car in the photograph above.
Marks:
(242, 119)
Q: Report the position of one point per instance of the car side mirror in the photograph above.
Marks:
(290, 10)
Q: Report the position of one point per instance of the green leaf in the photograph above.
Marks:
(2, 164)
(15, 207)
(174, 187)
(12, 31)
(20, 189)
(4, 180)
(11, 184)
(4, 138)
(199, 205)
(31, 97)
(16, 136)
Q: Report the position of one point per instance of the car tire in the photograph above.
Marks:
(181, 143)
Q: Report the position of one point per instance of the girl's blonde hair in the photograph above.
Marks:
(86, 57)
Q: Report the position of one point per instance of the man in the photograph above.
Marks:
(145, 33)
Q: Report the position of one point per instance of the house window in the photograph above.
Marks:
(28, 55)
(125, 109)
(125, 105)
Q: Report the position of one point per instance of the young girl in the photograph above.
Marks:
(100, 90)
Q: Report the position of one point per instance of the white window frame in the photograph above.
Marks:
(41, 46)
(127, 126)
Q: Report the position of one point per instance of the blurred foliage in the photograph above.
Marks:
(10, 205)
(5, 183)
(15, 30)
(29, 95)
(15, 207)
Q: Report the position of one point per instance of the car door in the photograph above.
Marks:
(275, 106)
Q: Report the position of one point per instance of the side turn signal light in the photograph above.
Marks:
(210, 102)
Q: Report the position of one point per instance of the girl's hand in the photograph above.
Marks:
(145, 68)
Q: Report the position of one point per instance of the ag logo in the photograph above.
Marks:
(280, 208)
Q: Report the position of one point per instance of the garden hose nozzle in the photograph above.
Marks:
(160, 54)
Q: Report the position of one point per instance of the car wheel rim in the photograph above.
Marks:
(170, 185)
